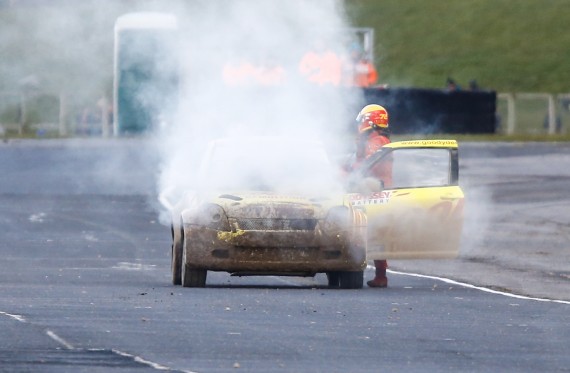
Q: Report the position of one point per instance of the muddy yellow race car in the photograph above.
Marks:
(274, 206)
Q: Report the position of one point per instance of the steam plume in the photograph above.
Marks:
(262, 33)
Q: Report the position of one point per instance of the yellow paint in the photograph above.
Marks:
(229, 236)
(415, 223)
(423, 144)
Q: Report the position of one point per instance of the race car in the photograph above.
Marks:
(283, 209)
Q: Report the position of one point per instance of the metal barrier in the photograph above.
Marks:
(524, 112)
(432, 111)
(512, 113)
(21, 113)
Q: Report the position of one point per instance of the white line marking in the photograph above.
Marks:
(135, 358)
(134, 266)
(139, 359)
(59, 340)
(480, 288)
(285, 281)
(162, 198)
(15, 317)
(37, 218)
(69, 346)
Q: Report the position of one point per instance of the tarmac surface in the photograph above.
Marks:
(86, 278)
(516, 235)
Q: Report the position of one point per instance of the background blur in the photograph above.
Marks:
(54, 51)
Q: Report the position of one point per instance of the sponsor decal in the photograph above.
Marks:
(376, 198)
(430, 142)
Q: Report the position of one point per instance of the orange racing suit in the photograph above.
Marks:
(365, 148)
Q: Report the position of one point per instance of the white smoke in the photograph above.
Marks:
(260, 32)
(67, 46)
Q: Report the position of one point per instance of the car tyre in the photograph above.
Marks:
(176, 263)
(333, 279)
(192, 278)
(351, 280)
(176, 255)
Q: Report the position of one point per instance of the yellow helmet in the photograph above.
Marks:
(371, 117)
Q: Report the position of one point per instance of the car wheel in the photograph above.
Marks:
(176, 255)
(176, 263)
(192, 278)
(351, 280)
(333, 279)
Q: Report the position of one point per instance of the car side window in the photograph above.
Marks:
(413, 168)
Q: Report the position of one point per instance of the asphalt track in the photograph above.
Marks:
(85, 278)
(517, 222)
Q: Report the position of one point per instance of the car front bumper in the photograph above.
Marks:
(280, 252)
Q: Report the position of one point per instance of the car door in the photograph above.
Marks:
(416, 211)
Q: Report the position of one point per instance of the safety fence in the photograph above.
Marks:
(415, 111)
(434, 111)
(53, 115)
(533, 113)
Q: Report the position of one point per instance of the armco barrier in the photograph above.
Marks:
(426, 111)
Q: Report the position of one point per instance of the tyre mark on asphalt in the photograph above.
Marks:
(68, 346)
(134, 358)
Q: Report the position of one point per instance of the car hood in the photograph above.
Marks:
(270, 205)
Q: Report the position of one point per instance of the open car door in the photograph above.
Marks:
(416, 210)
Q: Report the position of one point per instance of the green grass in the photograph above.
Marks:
(506, 45)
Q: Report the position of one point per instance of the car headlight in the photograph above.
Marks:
(208, 215)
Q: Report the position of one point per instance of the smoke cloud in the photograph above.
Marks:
(62, 46)
(218, 36)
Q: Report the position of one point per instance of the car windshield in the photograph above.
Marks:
(272, 164)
